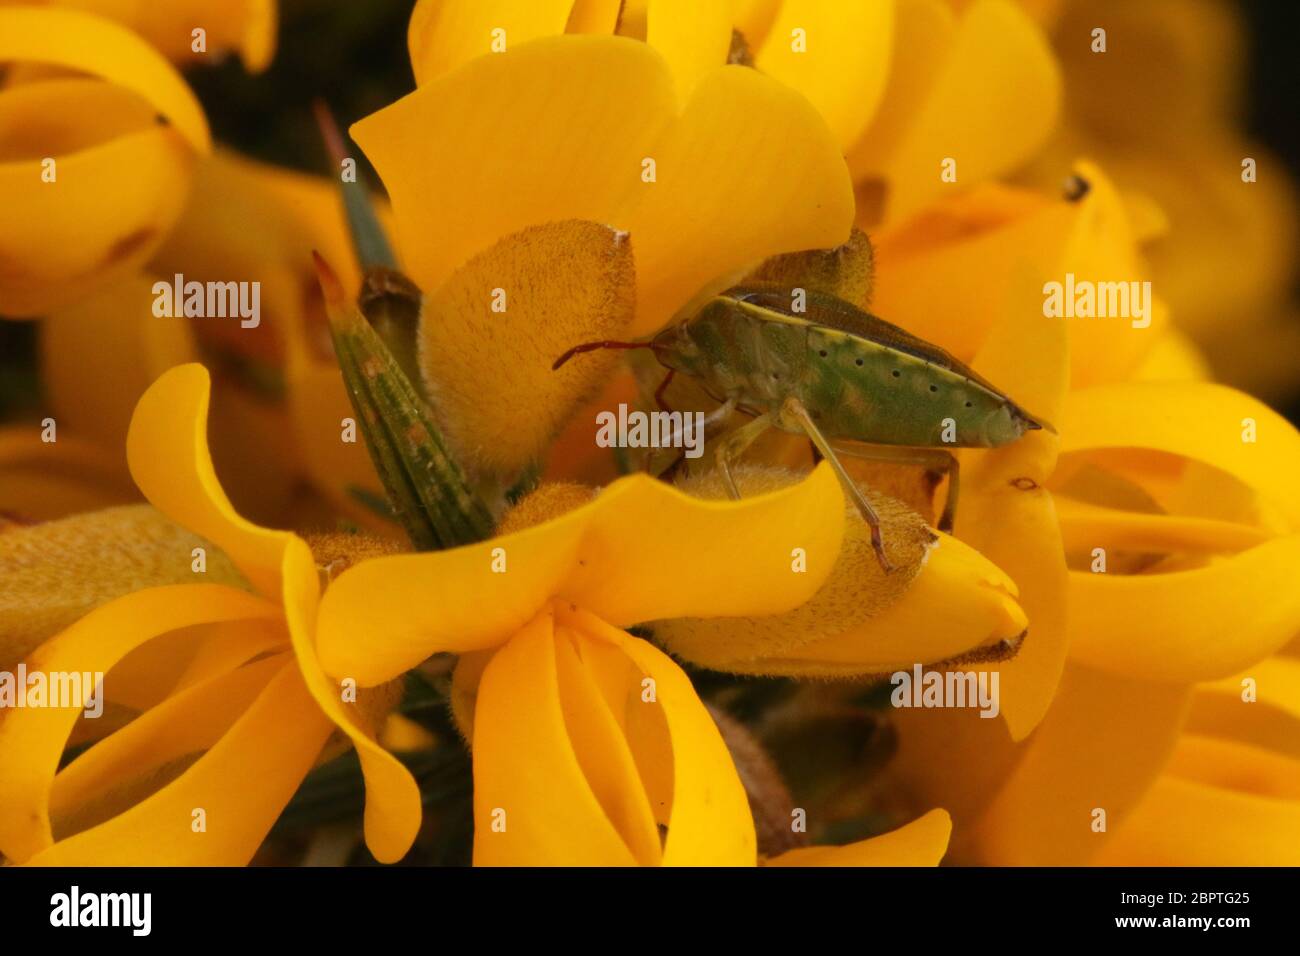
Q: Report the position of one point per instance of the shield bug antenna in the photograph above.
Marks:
(595, 346)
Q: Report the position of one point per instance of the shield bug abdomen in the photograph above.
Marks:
(860, 377)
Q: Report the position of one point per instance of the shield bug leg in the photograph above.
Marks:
(663, 387)
(935, 459)
(793, 409)
(733, 445)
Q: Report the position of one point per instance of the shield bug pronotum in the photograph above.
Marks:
(832, 372)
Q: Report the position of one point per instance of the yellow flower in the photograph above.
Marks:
(1180, 528)
(903, 85)
(63, 232)
(1230, 793)
(246, 697)
(553, 138)
(586, 739)
(1224, 258)
(245, 26)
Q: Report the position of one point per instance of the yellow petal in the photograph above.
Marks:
(274, 742)
(922, 842)
(710, 822)
(55, 572)
(443, 34)
(100, 355)
(1271, 720)
(32, 739)
(641, 550)
(393, 812)
(41, 480)
(188, 723)
(59, 240)
(692, 37)
(1214, 620)
(1184, 823)
(836, 54)
(90, 44)
(533, 805)
(943, 600)
(248, 26)
(594, 16)
(563, 283)
(1007, 513)
(748, 170)
(992, 104)
(168, 452)
(1044, 813)
(1196, 420)
(614, 99)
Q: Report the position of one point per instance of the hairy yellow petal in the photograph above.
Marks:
(490, 336)
(52, 573)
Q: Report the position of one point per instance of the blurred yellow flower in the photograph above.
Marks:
(231, 688)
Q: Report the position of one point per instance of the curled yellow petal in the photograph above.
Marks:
(393, 812)
(168, 452)
(90, 44)
(1196, 420)
(532, 802)
(1213, 621)
(640, 551)
(943, 600)
(274, 742)
(32, 739)
(986, 126)
(922, 842)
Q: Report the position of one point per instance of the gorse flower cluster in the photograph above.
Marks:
(359, 544)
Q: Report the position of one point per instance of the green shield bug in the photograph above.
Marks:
(832, 372)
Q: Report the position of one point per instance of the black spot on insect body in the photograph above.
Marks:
(896, 373)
